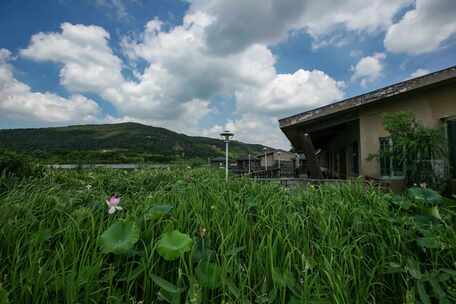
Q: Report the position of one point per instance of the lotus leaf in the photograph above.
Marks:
(425, 196)
(119, 238)
(174, 244)
(429, 242)
(158, 211)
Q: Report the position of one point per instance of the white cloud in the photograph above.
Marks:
(423, 29)
(419, 72)
(252, 128)
(219, 50)
(290, 93)
(119, 7)
(241, 23)
(368, 69)
(89, 65)
(19, 103)
(4, 55)
(184, 64)
(182, 76)
(186, 121)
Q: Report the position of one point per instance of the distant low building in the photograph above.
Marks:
(271, 158)
(278, 163)
(218, 161)
(244, 163)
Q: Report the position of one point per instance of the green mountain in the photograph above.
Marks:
(124, 142)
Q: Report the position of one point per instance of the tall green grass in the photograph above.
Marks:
(264, 243)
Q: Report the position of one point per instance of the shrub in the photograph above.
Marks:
(16, 165)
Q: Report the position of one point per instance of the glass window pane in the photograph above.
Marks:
(398, 165)
(355, 158)
(385, 158)
(452, 145)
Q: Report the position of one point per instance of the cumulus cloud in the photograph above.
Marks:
(252, 128)
(239, 23)
(289, 93)
(261, 94)
(88, 65)
(4, 55)
(19, 102)
(424, 28)
(419, 72)
(248, 75)
(368, 69)
(182, 76)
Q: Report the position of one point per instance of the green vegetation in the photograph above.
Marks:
(414, 147)
(115, 143)
(16, 165)
(185, 236)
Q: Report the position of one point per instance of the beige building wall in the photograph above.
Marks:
(273, 158)
(431, 107)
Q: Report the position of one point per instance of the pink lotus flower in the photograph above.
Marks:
(113, 204)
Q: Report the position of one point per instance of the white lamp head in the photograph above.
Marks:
(227, 135)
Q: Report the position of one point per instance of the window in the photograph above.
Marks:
(389, 166)
(355, 158)
(452, 146)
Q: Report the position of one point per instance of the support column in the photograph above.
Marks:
(311, 158)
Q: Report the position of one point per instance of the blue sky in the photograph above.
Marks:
(201, 66)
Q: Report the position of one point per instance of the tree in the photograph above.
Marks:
(417, 148)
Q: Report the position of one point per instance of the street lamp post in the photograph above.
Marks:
(279, 162)
(265, 159)
(226, 135)
(249, 165)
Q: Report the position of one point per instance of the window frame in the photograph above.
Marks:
(393, 173)
(451, 148)
(355, 158)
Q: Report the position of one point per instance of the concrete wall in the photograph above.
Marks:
(430, 107)
(274, 157)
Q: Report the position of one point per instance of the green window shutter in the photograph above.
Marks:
(452, 145)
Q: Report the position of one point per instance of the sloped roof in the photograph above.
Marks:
(406, 86)
(218, 159)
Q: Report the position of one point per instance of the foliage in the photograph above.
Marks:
(173, 245)
(16, 165)
(427, 281)
(251, 242)
(209, 274)
(119, 238)
(3, 296)
(116, 143)
(415, 146)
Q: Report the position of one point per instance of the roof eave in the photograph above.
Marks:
(353, 103)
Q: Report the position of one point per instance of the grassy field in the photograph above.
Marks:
(188, 237)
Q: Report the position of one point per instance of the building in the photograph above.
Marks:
(271, 158)
(347, 132)
(218, 161)
(246, 163)
(278, 163)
